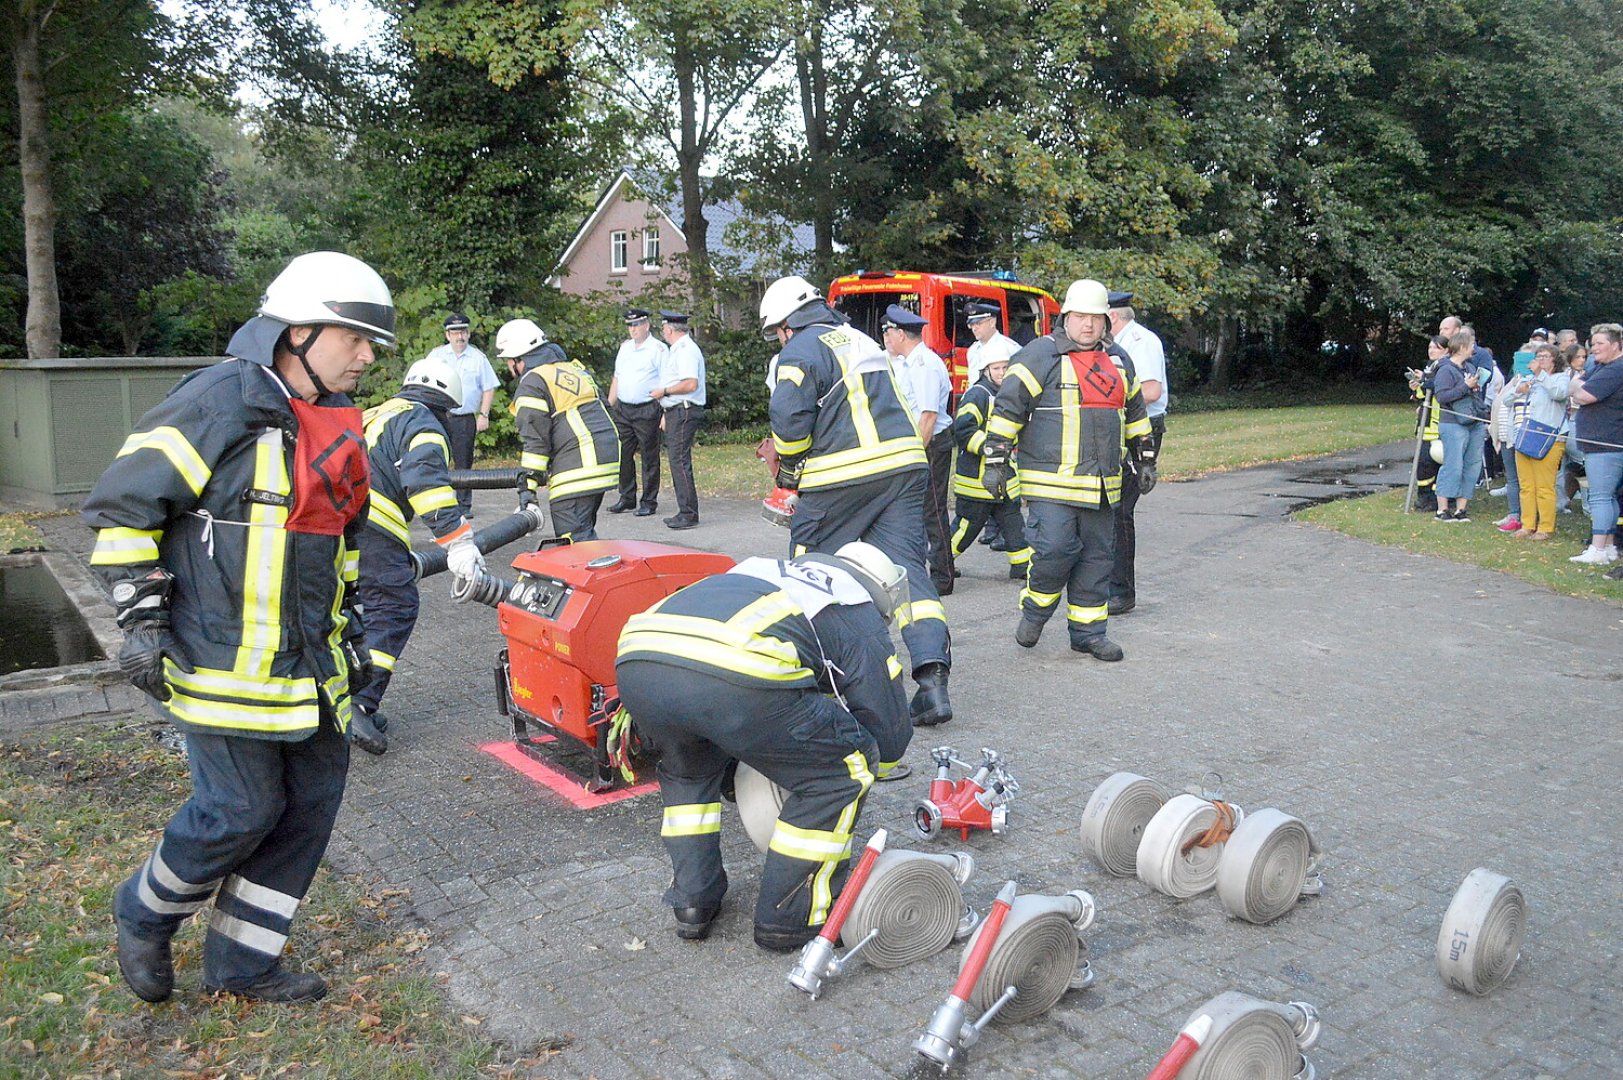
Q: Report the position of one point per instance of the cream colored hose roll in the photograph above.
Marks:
(1481, 937)
(1113, 822)
(1162, 864)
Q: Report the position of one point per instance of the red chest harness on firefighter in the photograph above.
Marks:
(1098, 381)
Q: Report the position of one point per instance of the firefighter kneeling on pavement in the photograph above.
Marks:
(1071, 398)
(787, 666)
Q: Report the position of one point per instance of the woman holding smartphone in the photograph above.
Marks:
(1544, 389)
(1456, 387)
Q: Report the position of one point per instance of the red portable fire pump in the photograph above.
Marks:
(562, 620)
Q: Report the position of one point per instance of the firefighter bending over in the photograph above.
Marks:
(411, 460)
(569, 443)
(847, 445)
(787, 666)
(1071, 398)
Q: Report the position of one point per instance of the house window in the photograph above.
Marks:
(618, 245)
(650, 248)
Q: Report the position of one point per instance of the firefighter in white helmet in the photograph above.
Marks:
(849, 451)
(410, 458)
(568, 438)
(1071, 401)
(226, 533)
(786, 665)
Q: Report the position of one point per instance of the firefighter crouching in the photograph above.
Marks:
(226, 532)
(410, 460)
(976, 505)
(569, 443)
(847, 445)
(787, 666)
(1071, 399)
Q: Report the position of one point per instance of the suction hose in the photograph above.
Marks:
(431, 561)
(484, 479)
(1037, 953)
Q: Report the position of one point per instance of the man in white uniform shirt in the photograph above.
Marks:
(924, 382)
(1150, 362)
(680, 394)
(472, 416)
(636, 414)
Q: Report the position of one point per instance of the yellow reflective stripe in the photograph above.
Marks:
(1041, 599)
(118, 546)
(714, 650)
(1077, 614)
(856, 766)
(790, 373)
(973, 410)
(791, 446)
(536, 462)
(1138, 428)
(893, 666)
(863, 461)
(530, 401)
(1023, 373)
(264, 563)
(583, 438)
(280, 705)
(376, 419)
(382, 659)
(813, 845)
(352, 564)
(920, 610)
(438, 498)
(386, 515)
(1021, 557)
(584, 481)
(431, 438)
(173, 445)
(1003, 427)
(246, 688)
(691, 819)
(1070, 414)
(975, 442)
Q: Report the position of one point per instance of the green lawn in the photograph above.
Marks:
(78, 812)
(1380, 519)
(16, 534)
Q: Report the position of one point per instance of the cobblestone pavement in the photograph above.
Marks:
(1422, 717)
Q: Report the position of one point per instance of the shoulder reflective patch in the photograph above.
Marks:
(835, 338)
(790, 374)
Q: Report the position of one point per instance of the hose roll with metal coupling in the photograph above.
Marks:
(915, 901)
(1039, 952)
(1268, 864)
(1115, 818)
(1254, 1040)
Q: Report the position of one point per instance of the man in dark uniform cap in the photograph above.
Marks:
(924, 380)
(680, 395)
(636, 414)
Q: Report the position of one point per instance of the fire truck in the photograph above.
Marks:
(1028, 311)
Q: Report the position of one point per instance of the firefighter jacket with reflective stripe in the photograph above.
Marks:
(1429, 414)
(745, 630)
(203, 488)
(838, 414)
(1071, 427)
(411, 461)
(566, 431)
(969, 432)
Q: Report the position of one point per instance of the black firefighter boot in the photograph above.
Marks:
(146, 964)
(366, 730)
(930, 705)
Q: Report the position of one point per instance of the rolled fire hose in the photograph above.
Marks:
(1267, 865)
(1162, 864)
(1482, 933)
(492, 537)
(915, 901)
(1115, 818)
(484, 479)
(1039, 953)
(759, 801)
(1254, 1040)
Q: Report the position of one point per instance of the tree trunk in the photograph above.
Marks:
(44, 326)
(689, 157)
(813, 79)
(1223, 354)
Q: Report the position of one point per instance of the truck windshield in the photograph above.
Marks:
(866, 310)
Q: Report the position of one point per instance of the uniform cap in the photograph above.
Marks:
(977, 312)
(1120, 299)
(635, 315)
(677, 317)
(899, 318)
(457, 321)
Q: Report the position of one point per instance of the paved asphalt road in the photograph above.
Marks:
(1423, 718)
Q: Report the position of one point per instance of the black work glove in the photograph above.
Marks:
(1144, 452)
(356, 654)
(999, 470)
(146, 644)
(526, 497)
(788, 477)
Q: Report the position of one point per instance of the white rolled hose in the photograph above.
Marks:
(759, 802)
(1266, 866)
(915, 901)
(1115, 818)
(1254, 1040)
(1482, 933)
(1162, 864)
(1039, 952)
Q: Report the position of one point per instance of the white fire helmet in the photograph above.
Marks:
(436, 373)
(885, 581)
(1086, 297)
(519, 337)
(783, 298)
